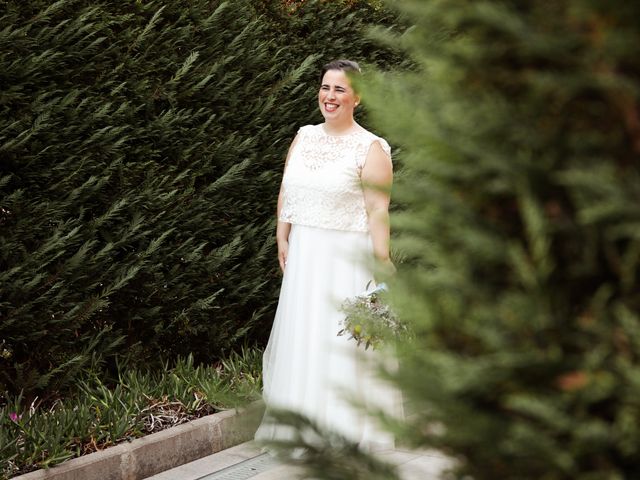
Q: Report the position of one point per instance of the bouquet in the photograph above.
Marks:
(368, 319)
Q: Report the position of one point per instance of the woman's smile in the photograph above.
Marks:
(330, 107)
(337, 99)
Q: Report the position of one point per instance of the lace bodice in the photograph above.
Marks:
(321, 185)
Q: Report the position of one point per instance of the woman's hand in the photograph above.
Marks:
(385, 269)
(283, 251)
(388, 268)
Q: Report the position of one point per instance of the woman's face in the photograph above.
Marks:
(336, 98)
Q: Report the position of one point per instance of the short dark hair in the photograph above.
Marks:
(344, 65)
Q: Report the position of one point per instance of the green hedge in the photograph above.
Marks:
(141, 146)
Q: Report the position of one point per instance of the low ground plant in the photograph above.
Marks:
(98, 414)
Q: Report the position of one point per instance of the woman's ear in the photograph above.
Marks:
(357, 100)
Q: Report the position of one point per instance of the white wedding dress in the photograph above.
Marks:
(307, 367)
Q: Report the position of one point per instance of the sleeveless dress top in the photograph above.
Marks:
(321, 185)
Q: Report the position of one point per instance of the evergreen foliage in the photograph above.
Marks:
(520, 131)
(141, 147)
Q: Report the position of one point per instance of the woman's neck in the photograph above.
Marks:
(341, 128)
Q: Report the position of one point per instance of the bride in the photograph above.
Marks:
(332, 218)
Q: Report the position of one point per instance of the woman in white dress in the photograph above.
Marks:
(331, 221)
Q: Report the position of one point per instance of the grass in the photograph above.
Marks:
(140, 402)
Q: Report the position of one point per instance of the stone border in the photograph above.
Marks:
(157, 452)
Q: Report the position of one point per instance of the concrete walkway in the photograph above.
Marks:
(246, 461)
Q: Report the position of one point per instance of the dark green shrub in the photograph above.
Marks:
(141, 146)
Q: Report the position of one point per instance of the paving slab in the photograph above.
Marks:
(281, 472)
(247, 461)
(428, 466)
(203, 467)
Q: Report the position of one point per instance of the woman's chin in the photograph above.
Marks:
(330, 116)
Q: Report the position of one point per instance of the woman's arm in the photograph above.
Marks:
(377, 177)
(283, 228)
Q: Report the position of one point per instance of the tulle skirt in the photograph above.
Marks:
(307, 367)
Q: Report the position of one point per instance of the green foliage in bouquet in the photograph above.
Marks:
(369, 320)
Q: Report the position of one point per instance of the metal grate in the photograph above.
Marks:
(245, 469)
